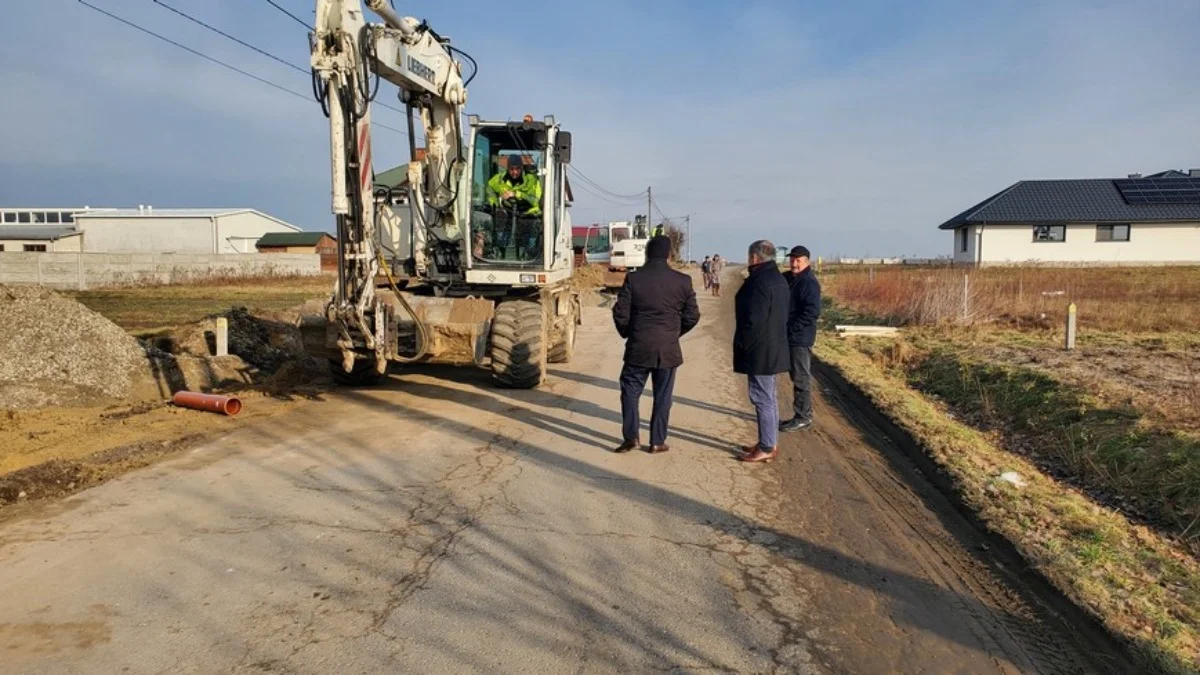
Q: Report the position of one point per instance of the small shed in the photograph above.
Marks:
(40, 239)
(321, 243)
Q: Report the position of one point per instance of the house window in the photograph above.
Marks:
(67, 217)
(962, 239)
(1, 248)
(52, 217)
(23, 217)
(35, 248)
(1049, 233)
(1112, 232)
(10, 216)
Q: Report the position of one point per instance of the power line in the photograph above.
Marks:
(243, 43)
(222, 33)
(295, 18)
(585, 178)
(206, 57)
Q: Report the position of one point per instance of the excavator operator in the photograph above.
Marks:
(516, 199)
(514, 185)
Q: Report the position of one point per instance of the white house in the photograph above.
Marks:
(1152, 220)
(150, 230)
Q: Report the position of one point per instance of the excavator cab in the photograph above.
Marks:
(519, 223)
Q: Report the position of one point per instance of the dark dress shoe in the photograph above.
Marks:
(627, 446)
(795, 424)
(760, 455)
(655, 449)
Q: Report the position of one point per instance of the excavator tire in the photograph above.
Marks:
(562, 350)
(518, 344)
(362, 375)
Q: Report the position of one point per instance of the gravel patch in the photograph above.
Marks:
(55, 351)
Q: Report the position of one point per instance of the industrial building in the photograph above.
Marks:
(40, 239)
(150, 230)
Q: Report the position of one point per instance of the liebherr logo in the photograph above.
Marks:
(421, 70)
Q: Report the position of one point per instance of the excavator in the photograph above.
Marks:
(453, 265)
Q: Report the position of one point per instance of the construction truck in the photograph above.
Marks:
(628, 251)
(469, 260)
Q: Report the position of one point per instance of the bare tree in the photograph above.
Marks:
(678, 240)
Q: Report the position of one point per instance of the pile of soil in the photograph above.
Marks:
(57, 352)
(266, 349)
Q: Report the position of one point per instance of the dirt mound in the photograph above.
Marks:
(264, 349)
(56, 351)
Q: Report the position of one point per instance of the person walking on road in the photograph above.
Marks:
(802, 334)
(706, 271)
(655, 307)
(760, 344)
(717, 266)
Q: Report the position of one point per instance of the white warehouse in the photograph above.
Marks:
(149, 230)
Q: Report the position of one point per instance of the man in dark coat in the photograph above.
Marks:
(760, 344)
(802, 333)
(655, 307)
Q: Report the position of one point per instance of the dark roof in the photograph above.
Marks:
(1089, 201)
(1169, 173)
(36, 232)
(393, 177)
(291, 239)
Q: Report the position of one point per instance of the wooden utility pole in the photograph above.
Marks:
(649, 206)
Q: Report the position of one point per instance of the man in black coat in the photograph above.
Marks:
(655, 307)
(760, 344)
(802, 334)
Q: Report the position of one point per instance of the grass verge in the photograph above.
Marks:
(146, 309)
(1142, 588)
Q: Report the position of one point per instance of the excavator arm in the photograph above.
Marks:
(349, 58)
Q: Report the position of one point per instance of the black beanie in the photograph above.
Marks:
(658, 248)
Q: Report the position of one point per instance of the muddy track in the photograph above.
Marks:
(1018, 616)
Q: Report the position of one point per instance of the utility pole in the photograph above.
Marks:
(687, 223)
(649, 217)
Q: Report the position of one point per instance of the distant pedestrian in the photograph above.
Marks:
(760, 344)
(803, 313)
(655, 307)
(718, 266)
(706, 271)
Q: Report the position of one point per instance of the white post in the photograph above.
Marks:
(39, 268)
(1071, 311)
(966, 296)
(82, 281)
(222, 336)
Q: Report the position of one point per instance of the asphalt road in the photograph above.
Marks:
(439, 525)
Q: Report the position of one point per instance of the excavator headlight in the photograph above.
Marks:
(473, 120)
(549, 120)
(529, 278)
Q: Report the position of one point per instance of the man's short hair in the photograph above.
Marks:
(764, 249)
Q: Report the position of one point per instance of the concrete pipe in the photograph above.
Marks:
(226, 405)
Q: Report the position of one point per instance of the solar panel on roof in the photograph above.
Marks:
(1159, 190)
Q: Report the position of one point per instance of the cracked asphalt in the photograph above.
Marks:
(439, 525)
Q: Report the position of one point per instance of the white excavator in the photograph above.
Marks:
(469, 261)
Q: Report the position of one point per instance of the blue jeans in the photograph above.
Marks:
(766, 409)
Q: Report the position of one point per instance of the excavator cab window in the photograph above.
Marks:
(507, 231)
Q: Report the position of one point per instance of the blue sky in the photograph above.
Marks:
(853, 127)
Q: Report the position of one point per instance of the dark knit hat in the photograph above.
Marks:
(799, 252)
(515, 162)
(658, 248)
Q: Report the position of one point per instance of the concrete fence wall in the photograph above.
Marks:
(89, 270)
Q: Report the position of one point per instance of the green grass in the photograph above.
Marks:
(1109, 449)
(1143, 587)
(149, 309)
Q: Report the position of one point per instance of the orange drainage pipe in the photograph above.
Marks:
(228, 405)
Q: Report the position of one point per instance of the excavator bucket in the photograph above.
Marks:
(456, 329)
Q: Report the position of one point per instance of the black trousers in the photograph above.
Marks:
(633, 383)
(801, 372)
